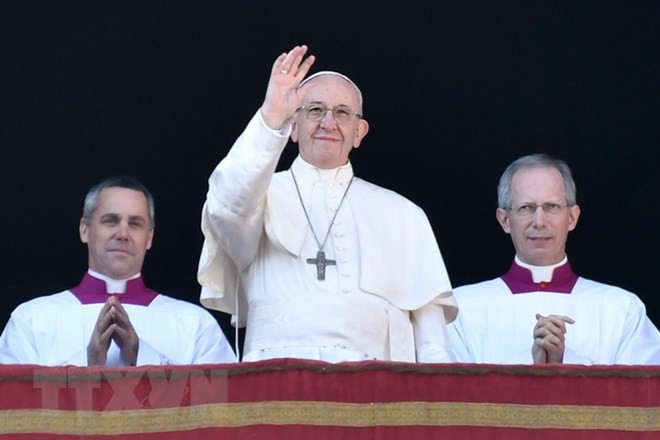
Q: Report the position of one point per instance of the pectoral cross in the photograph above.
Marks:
(321, 262)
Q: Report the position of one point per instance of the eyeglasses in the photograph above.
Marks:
(342, 114)
(530, 209)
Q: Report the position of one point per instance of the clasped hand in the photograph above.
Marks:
(549, 333)
(113, 325)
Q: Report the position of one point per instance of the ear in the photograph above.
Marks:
(151, 237)
(360, 132)
(83, 229)
(294, 129)
(573, 215)
(503, 219)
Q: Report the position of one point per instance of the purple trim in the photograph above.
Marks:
(519, 280)
(93, 291)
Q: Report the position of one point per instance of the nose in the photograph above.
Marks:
(328, 120)
(539, 217)
(122, 231)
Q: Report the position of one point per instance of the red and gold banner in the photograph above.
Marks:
(306, 399)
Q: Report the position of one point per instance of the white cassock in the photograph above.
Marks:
(55, 330)
(497, 317)
(387, 296)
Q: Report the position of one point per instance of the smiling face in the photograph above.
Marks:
(119, 233)
(539, 239)
(326, 143)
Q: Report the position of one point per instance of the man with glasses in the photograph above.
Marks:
(540, 311)
(317, 263)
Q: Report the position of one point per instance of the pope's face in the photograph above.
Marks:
(326, 143)
(119, 233)
(540, 238)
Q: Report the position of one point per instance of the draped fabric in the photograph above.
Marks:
(309, 399)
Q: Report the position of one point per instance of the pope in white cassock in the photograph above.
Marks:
(318, 263)
(112, 318)
(540, 311)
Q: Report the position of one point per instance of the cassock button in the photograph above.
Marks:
(542, 286)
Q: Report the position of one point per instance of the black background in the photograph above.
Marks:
(454, 91)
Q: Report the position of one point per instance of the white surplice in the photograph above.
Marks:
(495, 326)
(55, 330)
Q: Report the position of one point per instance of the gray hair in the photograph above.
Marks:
(342, 76)
(93, 195)
(504, 198)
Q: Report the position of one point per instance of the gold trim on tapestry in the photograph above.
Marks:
(340, 414)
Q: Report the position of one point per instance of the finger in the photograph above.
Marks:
(545, 326)
(119, 336)
(559, 321)
(552, 342)
(538, 341)
(100, 342)
(124, 333)
(301, 64)
(121, 315)
(555, 351)
(279, 63)
(105, 308)
(554, 327)
(301, 73)
(556, 318)
(304, 68)
(284, 63)
(293, 59)
(119, 309)
(105, 336)
(545, 331)
(545, 346)
(562, 318)
(125, 326)
(104, 321)
(125, 337)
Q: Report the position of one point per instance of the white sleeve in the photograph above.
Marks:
(237, 190)
(457, 341)
(147, 355)
(211, 346)
(17, 345)
(640, 339)
(431, 338)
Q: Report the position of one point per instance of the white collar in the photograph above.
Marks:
(306, 171)
(541, 273)
(112, 285)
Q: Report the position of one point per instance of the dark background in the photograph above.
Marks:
(454, 92)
